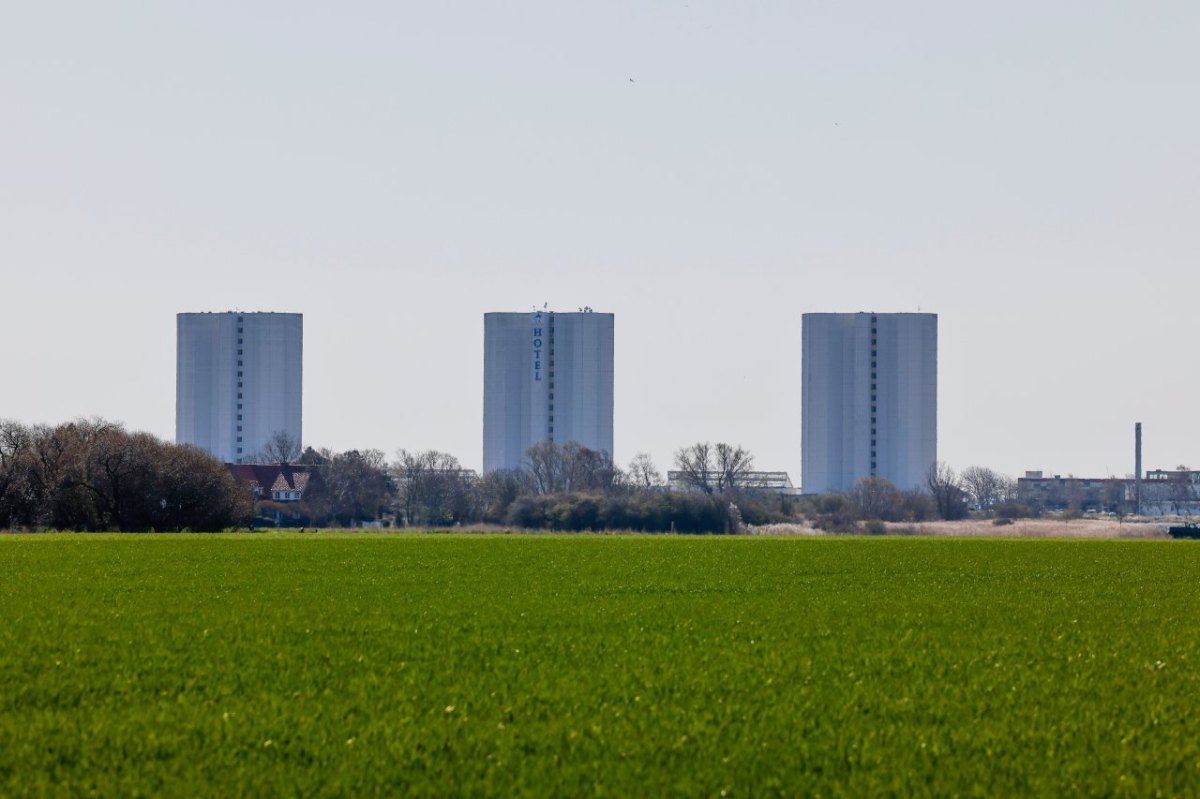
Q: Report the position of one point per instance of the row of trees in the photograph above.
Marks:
(95, 475)
(558, 486)
(946, 495)
(561, 486)
(345, 487)
(430, 483)
(569, 487)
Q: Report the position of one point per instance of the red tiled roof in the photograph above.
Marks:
(291, 478)
(264, 478)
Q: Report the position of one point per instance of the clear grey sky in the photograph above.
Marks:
(706, 171)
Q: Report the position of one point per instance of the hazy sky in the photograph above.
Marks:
(706, 171)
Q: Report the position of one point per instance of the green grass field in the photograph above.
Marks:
(329, 664)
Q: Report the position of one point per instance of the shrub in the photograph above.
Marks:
(1015, 510)
(916, 506)
(645, 511)
(833, 513)
(527, 511)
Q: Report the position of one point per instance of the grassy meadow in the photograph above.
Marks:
(336, 664)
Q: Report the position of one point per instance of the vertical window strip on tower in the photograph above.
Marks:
(874, 394)
(550, 376)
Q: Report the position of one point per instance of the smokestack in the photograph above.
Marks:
(1137, 467)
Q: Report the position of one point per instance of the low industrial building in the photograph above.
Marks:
(1058, 493)
(1163, 493)
(769, 482)
(1168, 492)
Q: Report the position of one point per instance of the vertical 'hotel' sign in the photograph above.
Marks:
(537, 346)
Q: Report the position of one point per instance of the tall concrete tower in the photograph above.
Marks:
(869, 400)
(238, 381)
(546, 377)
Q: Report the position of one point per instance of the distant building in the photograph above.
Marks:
(769, 482)
(869, 399)
(279, 490)
(1164, 493)
(1171, 492)
(278, 482)
(546, 377)
(1084, 494)
(238, 381)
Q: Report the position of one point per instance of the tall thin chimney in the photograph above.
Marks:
(1137, 467)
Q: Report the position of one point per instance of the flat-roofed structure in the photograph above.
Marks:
(547, 376)
(869, 399)
(238, 381)
(768, 482)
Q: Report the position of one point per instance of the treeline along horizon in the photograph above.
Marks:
(92, 474)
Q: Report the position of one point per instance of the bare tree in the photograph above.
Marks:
(316, 457)
(94, 475)
(1006, 491)
(947, 491)
(500, 488)
(714, 468)
(352, 487)
(16, 448)
(875, 498)
(559, 468)
(987, 488)
(281, 447)
(643, 473)
(733, 462)
(916, 505)
(543, 462)
(695, 464)
(432, 487)
(586, 469)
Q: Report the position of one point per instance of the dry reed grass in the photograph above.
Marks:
(1020, 528)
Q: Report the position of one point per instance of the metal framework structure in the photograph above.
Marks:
(777, 482)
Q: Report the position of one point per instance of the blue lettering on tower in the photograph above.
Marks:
(537, 346)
